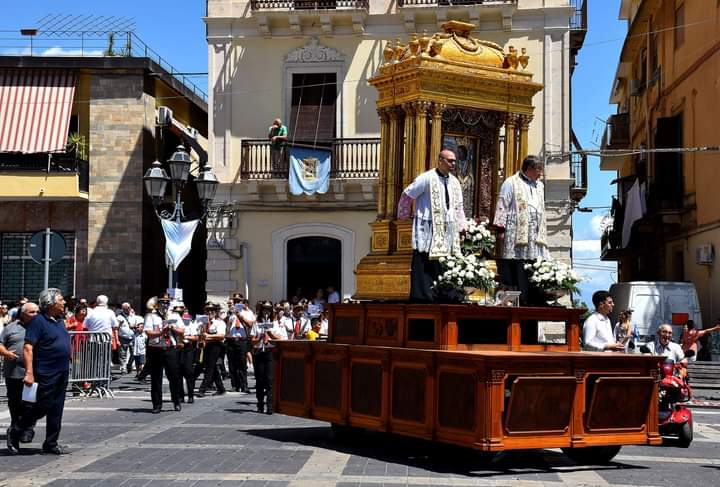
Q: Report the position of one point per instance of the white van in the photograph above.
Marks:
(657, 302)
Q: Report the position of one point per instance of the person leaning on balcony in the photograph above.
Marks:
(521, 228)
(597, 331)
(277, 135)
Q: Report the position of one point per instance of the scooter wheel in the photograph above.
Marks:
(685, 435)
(592, 455)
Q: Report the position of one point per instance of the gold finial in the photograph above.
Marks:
(424, 41)
(388, 52)
(398, 49)
(435, 45)
(414, 45)
(511, 58)
(524, 59)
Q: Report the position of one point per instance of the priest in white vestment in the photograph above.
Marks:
(439, 218)
(522, 229)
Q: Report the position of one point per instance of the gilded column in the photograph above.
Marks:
(408, 166)
(392, 151)
(421, 113)
(436, 136)
(383, 163)
(523, 126)
(510, 144)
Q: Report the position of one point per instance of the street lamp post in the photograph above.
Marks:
(156, 182)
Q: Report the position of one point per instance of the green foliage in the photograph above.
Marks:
(77, 144)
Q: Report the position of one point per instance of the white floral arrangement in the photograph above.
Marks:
(477, 238)
(553, 275)
(465, 271)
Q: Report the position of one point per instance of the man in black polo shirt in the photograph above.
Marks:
(47, 361)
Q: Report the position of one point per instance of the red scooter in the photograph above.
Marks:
(673, 392)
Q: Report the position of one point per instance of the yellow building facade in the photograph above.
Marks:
(667, 90)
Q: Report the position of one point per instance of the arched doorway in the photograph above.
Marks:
(313, 263)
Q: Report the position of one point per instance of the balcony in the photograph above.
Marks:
(350, 159)
(611, 242)
(47, 176)
(452, 3)
(616, 136)
(261, 5)
(578, 170)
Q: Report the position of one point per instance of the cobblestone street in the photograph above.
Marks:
(223, 441)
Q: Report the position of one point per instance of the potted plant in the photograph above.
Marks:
(77, 144)
(554, 277)
(477, 238)
(466, 275)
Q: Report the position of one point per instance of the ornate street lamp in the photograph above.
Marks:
(156, 182)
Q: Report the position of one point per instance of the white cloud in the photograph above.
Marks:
(61, 51)
(596, 274)
(586, 247)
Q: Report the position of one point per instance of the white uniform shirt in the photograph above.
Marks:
(597, 332)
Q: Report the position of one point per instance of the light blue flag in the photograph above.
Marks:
(309, 171)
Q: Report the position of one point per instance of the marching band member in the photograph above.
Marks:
(262, 335)
(213, 338)
(162, 352)
(188, 356)
(236, 341)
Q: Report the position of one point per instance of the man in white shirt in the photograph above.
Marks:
(663, 345)
(597, 330)
(102, 318)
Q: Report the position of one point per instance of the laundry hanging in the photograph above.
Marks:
(178, 240)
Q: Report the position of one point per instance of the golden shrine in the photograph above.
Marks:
(449, 90)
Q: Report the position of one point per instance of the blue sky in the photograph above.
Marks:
(176, 31)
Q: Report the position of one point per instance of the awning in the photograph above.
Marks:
(35, 107)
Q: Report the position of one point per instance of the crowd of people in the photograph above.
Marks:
(599, 334)
(37, 343)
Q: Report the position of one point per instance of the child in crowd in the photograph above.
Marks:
(138, 346)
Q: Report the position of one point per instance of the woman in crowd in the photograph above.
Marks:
(691, 336)
(626, 332)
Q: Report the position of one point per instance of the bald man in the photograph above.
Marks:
(439, 217)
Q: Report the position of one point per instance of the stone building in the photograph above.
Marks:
(87, 182)
(308, 63)
(666, 92)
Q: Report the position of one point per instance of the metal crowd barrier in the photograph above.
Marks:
(90, 363)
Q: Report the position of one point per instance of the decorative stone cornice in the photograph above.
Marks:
(314, 52)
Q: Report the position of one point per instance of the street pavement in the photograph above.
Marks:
(222, 441)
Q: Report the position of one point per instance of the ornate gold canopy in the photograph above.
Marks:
(452, 85)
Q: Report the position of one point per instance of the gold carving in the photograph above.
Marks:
(524, 59)
(511, 58)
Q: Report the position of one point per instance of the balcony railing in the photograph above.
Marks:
(309, 4)
(617, 132)
(349, 159)
(59, 163)
(579, 20)
(450, 3)
(578, 170)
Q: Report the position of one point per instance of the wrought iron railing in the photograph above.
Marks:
(579, 20)
(349, 159)
(309, 4)
(48, 163)
(446, 3)
(617, 132)
(79, 43)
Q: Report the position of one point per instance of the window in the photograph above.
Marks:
(22, 276)
(680, 26)
(312, 116)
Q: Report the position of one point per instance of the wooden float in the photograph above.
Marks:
(475, 376)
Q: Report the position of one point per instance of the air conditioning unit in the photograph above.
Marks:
(704, 254)
(636, 87)
(164, 116)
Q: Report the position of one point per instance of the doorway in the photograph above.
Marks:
(313, 263)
